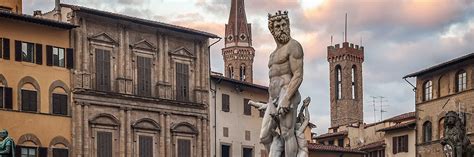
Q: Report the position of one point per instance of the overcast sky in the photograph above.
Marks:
(399, 37)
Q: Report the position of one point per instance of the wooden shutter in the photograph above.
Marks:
(182, 82)
(28, 100)
(18, 51)
(42, 152)
(59, 152)
(6, 48)
(39, 53)
(104, 144)
(60, 104)
(144, 76)
(103, 70)
(69, 58)
(2, 97)
(394, 145)
(49, 55)
(247, 107)
(225, 103)
(106, 70)
(184, 148)
(145, 146)
(8, 103)
(405, 143)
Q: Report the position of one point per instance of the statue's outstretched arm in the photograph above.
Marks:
(258, 105)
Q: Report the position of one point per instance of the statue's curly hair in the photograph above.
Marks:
(277, 17)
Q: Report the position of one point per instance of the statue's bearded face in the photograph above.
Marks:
(3, 134)
(281, 31)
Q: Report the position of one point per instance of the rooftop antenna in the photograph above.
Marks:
(381, 107)
(345, 30)
(331, 40)
(360, 41)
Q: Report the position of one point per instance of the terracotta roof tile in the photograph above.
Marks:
(373, 145)
(441, 65)
(320, 147)
(408, 125)
(334, 134)
(402, 117)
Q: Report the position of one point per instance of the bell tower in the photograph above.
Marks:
(238, 52)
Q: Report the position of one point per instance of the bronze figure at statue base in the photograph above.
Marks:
(455, 142)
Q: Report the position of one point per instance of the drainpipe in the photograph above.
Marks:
(213, 95)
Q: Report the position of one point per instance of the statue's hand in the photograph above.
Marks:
(283, 110)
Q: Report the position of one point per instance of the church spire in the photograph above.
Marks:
(238, 31)
(238, 52)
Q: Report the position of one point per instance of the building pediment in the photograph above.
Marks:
(183, 52)
(103, 38)
(143, 45)
(147, 124)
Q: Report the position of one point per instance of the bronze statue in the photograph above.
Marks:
(7, 145)
(455, 142)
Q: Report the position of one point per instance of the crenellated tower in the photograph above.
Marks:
(238, 52)
(345, 73)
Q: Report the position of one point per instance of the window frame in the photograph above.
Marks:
(22, 104)
(428, 90)
(247, 107)
(103, 84)
(461, 81)
(35, 149)
(33, 55)
(427, 132)
(353, 82)
(338, 81)
(225, 104)
(66, 104)
(144, 87)
(57, 63)
(242, 72)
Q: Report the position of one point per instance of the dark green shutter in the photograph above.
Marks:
(70, 58)
(39, 54)
(59, 152)
(49, 55)
(8, 103)
(18, 51)
(225, 103)
(42, 152)
(6, 48)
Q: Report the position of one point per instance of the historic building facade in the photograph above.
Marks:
(448, 86)
(238, 52)
(140, 87)
(35, 90)
(345, 79)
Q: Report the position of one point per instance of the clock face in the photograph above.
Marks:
(243, 37)
(230, 38)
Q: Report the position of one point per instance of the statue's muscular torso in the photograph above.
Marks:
(281, 71)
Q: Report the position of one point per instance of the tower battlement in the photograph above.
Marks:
(348, 51)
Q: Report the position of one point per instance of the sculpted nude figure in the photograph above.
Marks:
(286, 75)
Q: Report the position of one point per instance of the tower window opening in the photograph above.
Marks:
(353, 85)
(242, 72)
(231, 72)
(338, 82)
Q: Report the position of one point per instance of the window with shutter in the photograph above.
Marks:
(42, 152)
(247, 107)
(102, 69)
(182, 82)
(104, 144)
(39, 53)
(184, 148)
(247, 152)
(225, 103)
(8, 97)
(225, 131)
(28, 151)
(394, 145)
(1, 47)
(144, 76)
(247, 135)
(60, 152)
(145, 146)
(1, 97)
(26, 52)
(6, 48)
(58, 57)
(28, 101)
(60, 104)
(70, 58)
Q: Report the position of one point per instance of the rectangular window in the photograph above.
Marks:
(60, 104)
(104, 144)
(60, 152)
(28, 151)
(225, 131)
(27, 52)
(225, 151)
(247, 107)
(247, 135)
(331, 142)
(59, 57)
(1, 97)
(340, 142)
(1, 48)
(102, 58)
(144, 76)
(400, 144)
(145, 146)
(247, 152)
(182, 82)
(262, 112)
(184, 148)
(28, 101)
(225, 103)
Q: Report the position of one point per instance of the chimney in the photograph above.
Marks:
(56, 5)
(37, 13)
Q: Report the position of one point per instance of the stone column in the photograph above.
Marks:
(77, 133)
(199, 137)
(129, 133)
(169, 145)
(205, 137)
(122, 132)
(86, 141)
(167, 60)
(162, 135)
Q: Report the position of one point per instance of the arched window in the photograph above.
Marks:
(427, 131)
(242, 72)
(230, 71)
(427, 90)
(441, 128)
(461, 81)
(59, 102)
(353, 84)
(338, 82)
(29, 95)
